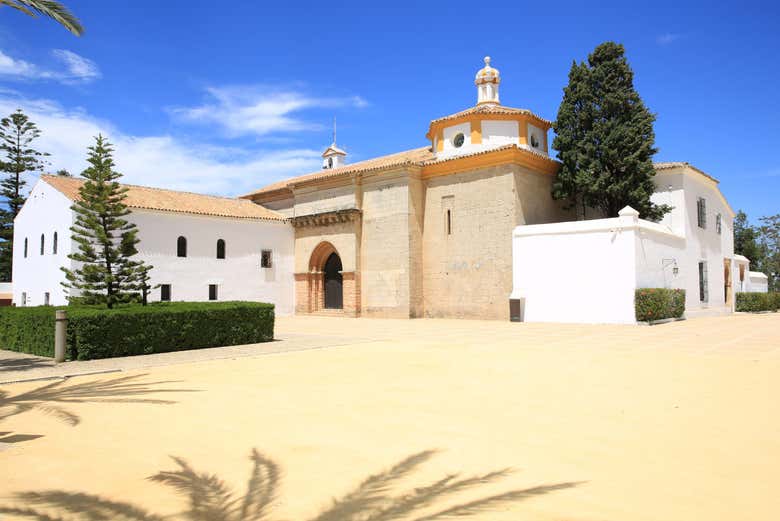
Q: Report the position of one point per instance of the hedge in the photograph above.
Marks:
(753, 302)
(96, 332)
(27, 330)
(658, 303)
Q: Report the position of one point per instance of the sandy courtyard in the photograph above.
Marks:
(673, 422)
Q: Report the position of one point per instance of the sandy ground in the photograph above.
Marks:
(672, 422)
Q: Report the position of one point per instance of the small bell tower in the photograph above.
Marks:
(487, 82)
(333, 157)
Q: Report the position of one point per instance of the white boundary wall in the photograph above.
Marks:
(587, 271)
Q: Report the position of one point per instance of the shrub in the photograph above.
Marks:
(658, 303)
(754, 302)
(27, 330)
(97, 332)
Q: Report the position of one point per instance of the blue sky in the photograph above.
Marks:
(224, 97)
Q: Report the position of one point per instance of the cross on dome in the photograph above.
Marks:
(487, 81)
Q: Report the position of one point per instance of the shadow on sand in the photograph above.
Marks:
(48, 398)
(210, 499)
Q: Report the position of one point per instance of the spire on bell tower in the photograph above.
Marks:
(487, 82)
(333, 157)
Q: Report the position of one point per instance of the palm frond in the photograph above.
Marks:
(479, 506)
(49, 8)
(210, 499)
(372, 492)
(87, 506)
(261, 489)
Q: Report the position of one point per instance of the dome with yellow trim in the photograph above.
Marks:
(487, 74)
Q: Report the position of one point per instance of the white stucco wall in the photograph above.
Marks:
(238, 276)
(538, 134)
(499, 133)
(758, 282)
(558, 282)
(588, 271)
(681, 188)
(449, 134)
(46, 211)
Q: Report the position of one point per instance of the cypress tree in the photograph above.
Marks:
(17, 133)
(106, 240)
(605, 138)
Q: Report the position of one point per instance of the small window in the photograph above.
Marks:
(165, 292)
(25, 247)
(46, 299)
(181, 247)
(24, 296)
(220, 249)
(43, 243)
(212, 292)
(703, 286)
(701, 211)
(448, 222)
(54, 244)
(265, 259)
(718, 223)
(458, 140)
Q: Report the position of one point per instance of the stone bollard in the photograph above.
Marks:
(60, 329)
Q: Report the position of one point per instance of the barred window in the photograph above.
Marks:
(701, 207)
(265, 259)
(704, 293)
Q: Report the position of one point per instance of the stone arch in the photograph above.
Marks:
(321, 277)
(319, 256)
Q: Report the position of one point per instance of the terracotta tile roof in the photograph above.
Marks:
(415, 156)
(682, 164)
(488, 108)
(147, 198)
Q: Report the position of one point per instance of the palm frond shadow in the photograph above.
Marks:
(47, 398)
(210, 499)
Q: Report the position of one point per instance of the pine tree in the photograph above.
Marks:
(143, 284)
(746, 239)
(17, 133)
(770, 244)
(106, 241)
(605, 138)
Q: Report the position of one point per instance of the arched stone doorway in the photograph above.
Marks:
(326, 287)
(333, 282)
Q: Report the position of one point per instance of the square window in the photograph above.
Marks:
(212, 292)
(265, 259)
(165, 293)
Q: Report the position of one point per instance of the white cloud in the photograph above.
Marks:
(163, 160)
(259, 111)
(77, 68)
(667, 38)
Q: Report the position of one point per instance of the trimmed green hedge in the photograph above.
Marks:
(753, 302)
(96, 332)
(658, 303)
(27, 330)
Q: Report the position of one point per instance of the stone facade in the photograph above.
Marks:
(417, 245)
